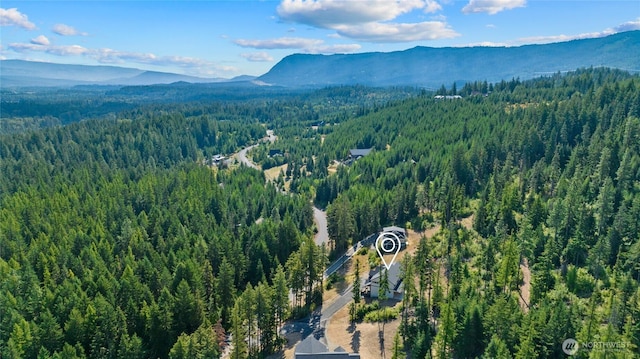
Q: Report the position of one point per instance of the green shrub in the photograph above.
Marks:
(362, 310)
(381, 315)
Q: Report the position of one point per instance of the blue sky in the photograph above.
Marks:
(229, 38)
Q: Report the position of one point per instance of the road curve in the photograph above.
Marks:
(320, 218)
(242, 157)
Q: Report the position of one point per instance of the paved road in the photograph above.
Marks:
(337, 264)
(345, 297)
(271, 137)
(320, 217)
(315, 323)
(242, 157)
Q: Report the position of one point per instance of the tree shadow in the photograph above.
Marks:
(352, 327)
(381, 341)
(355, 341)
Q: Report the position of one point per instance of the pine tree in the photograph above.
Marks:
(280, 296)
(408, 283)
(341, 224)
(356, 283)
(226, 290)
(239, 332)
(397, 347)
(383, 291)
(496, 349)
(447, 331)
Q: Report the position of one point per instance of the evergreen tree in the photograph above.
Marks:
(383, 291)
(239, 333)
(340, 224)
(226, 290)
(280, 296)
(356, 283)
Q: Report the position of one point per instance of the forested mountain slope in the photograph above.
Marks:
(549, 169)
(116, 242)
(430, 67)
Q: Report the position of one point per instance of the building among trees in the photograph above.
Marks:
(394, 278)
(312, 348)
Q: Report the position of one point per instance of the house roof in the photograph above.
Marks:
(393, 275)
(395, 229)
(312, 348)
(311, 345)
(359, 152)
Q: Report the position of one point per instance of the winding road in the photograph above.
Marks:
(241, 156)
(315, 323)
(320, 218)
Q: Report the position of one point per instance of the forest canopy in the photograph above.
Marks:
(117, 241)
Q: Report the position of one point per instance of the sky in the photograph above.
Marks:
(208, 38)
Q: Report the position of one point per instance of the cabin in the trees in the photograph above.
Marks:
(355, 154)
(372, 285)
(216, 160)
(311, 348)
(398, 231)
(274, 152)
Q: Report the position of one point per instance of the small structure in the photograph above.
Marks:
(372, 285)
(447, 97)
(398, 231)
(311, 348)
(216, 160)
(274, 152)
(357, 153)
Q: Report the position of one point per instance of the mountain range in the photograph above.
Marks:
(427, 67)
(19, 73)
(433, 67)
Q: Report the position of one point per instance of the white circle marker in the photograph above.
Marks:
(388, 243)
(570, 346)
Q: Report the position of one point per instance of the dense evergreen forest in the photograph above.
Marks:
(116, 242)
(549, 169)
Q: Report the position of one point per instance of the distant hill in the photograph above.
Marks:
(432, 67)
(19, 73)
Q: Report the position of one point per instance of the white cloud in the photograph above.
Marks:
(367, 20)
(312, 46)
(627, 26)
(66, 30)
(328, 13)
(9, 17)
(257, 56)
(191, 65)
(40, 40)
(484, 44)
(392, 32)
(64, 50)
(279, 43)
(492, 7)
(432, 6)
(332, 49)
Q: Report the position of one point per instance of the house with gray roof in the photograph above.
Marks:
(312, 348)
(394, 275)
